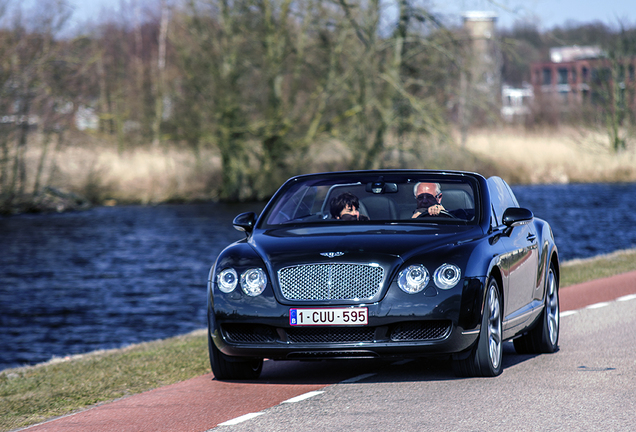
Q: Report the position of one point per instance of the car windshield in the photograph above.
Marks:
(373, 198)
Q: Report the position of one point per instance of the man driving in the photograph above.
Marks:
(429, 199)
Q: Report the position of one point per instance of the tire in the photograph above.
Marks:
(232, 368)
(544, 336)
(485, 358)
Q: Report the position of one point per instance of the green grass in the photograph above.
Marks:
(31, 395)
(577, 271)
(34, 394)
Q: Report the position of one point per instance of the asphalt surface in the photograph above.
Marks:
(588, 385)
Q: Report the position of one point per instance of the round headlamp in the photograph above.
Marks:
(413, 279)
(227, 280)
(253, 281)
(446, 276)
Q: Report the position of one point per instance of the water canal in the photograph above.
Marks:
(112, 276)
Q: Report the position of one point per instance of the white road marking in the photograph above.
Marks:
(240, 419)
(302, 397)
(626, 298)
(597, 305)
(568, 313)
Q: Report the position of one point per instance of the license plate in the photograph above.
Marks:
(328, 316)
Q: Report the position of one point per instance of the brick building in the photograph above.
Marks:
(574, 74)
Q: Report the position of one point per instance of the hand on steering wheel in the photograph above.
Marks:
(442, 212)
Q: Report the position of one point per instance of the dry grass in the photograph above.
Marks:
(564, 155)
(91, 167)
(97, 171)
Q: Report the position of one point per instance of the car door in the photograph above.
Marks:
(520, 261)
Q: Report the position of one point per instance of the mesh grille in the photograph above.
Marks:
(330, 335)
(246, 333)
(330, 281)
(420, 330)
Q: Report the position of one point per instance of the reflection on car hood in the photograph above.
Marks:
(355, 243)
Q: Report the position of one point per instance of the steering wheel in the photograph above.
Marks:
(441, 213)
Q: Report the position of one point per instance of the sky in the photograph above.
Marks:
(545, 13)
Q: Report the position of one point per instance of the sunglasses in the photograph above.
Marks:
(423, 195)
(427, 199)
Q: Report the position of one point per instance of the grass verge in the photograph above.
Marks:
(583, 270)
(31, 395)
(34, 394)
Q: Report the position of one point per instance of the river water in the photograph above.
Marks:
(113, 276)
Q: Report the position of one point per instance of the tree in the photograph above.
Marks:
(387, 92)
(28, 75)
(614, 88)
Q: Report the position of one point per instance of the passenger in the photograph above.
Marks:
(429, 199)
(346, 206)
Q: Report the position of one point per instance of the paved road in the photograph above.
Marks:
(588, 385)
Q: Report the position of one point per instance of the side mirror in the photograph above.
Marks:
(515, 216)
(245, 222)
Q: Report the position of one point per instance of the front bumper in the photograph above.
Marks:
(400, 325)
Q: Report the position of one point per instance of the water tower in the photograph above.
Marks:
(481, 74)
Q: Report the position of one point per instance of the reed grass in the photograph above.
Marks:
(563, 155)
(93, 168)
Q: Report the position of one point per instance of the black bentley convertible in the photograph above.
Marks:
(385, 263)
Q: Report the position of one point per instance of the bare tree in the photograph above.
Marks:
(614, 89)
(385, 90)
(27, 57)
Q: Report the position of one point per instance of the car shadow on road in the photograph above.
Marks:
(370, 370)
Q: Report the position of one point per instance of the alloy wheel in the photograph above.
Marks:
(494, 327)
(552, 308)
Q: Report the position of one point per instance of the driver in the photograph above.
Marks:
(346, 206)
(429, 199)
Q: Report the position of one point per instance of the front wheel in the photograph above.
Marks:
(230, 368)
(485, 359)
(544, 337)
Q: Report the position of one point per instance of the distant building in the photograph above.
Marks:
(516, 102)
(571, 74)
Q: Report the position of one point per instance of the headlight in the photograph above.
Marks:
(253, 281)
(446, 276)
(413, 279)
(227, 280)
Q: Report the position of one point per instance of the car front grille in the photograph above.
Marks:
(330, 281)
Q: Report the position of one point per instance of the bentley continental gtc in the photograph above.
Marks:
(371, 264)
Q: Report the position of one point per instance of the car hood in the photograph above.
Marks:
(360, 243)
